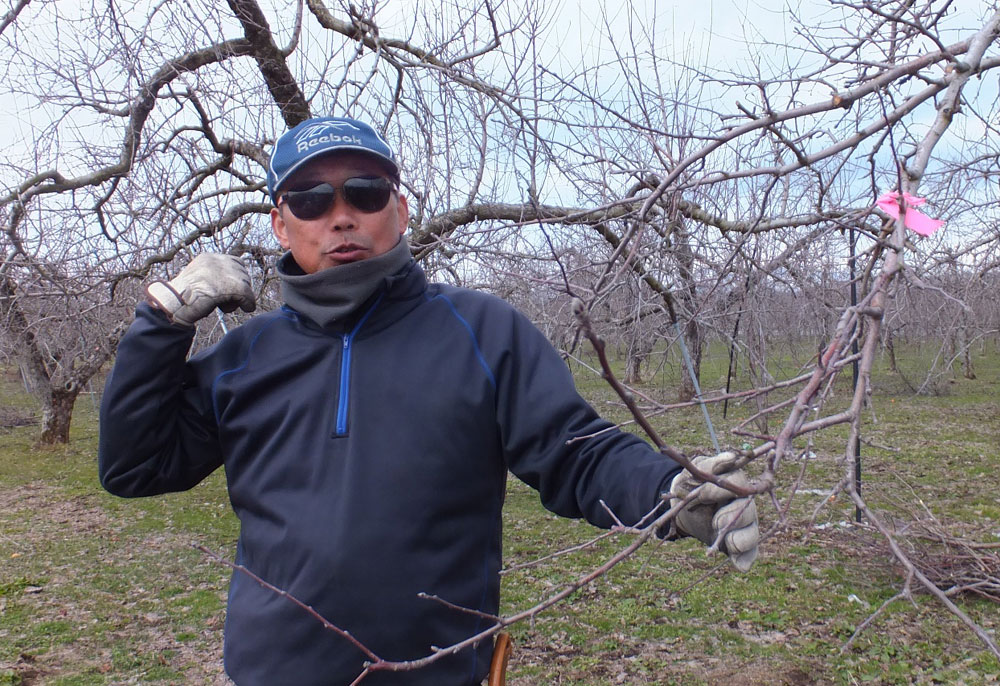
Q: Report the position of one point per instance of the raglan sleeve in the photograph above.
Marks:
(157, 429)
(555, 441)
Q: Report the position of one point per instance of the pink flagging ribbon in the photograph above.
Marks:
(917, 221)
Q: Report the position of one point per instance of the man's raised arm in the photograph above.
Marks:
(157, 428)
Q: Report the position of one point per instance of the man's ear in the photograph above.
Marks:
(403, 210)
(278, 228)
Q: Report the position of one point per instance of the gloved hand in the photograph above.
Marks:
(210, 280)
(714, 508)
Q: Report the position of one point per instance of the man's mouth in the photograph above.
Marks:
(348, 252)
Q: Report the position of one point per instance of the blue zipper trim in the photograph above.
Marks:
(345, 371)
(345, 386)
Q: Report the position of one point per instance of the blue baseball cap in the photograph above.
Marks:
(321, 136)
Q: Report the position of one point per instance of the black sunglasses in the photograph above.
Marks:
(365, 193)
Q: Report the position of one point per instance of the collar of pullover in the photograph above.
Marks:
(332, 295)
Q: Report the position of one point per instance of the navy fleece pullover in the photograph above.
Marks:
(367, 465)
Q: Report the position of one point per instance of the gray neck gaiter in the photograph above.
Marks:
(333, 294)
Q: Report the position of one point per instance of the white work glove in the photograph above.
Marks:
(210, 280)
(714, 508)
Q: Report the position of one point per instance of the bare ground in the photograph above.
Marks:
(51, 515)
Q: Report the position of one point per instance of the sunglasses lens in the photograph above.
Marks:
(368, 194)
(311, 203)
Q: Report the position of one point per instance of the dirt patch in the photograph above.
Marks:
(631, 663)
(11, 417)
(52, 517)
(24, 670)
(763, 674)
(51, 507)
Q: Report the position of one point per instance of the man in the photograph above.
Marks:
(366, 429)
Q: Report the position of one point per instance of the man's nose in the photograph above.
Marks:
(341, 214)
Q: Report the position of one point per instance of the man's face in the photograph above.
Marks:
(342, 233)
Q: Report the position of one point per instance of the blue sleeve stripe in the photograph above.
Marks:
(245, 362)
(493, 383)
(472, 336)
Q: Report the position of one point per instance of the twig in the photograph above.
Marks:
(284, 594)
(565, 551)
(871, 618)
(916, 573)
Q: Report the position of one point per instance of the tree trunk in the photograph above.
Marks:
(55, 391)
(952, 351)
(636, 352)
(890, 346)
(633, 367)
(759, 374)
(970, 373)
(56, 415)
(963, 340)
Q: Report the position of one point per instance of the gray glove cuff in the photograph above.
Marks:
(669, 531)
(162, 296)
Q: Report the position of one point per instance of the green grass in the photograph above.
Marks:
(99, 590)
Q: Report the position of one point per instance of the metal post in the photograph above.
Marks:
(697, 386)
